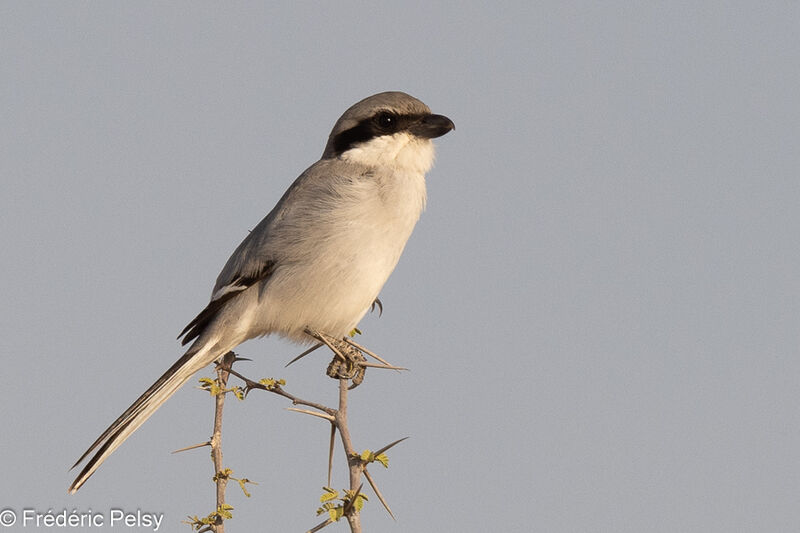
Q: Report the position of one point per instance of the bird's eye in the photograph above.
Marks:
(386, 121)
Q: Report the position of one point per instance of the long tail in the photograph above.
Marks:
(159, 392)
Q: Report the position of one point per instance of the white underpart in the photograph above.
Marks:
(358, 247)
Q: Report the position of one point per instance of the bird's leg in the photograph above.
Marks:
(347, 360)
(351, 368)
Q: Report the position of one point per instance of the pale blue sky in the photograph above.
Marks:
(600, 306)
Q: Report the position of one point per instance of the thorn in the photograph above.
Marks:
(330, 453)
(318, 345)
(378, 494)
(387, 367)
(225, 361)
(388, 446)
(320, 526)
(312, 413)
(192, 447)
(321, 337)
(354, 344)
(352, 500)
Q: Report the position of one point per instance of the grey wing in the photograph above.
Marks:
(253, 261)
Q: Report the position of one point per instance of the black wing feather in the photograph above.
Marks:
(206, 316)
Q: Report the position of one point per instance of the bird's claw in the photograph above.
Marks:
(346, 364)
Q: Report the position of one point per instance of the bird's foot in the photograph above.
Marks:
(350, 367)
(348, 361)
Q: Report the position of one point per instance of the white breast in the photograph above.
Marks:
(352, 252)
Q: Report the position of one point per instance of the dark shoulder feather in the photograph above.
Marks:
(240, 283)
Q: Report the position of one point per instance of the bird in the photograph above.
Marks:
(318, 260)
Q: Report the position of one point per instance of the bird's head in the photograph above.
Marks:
(390, 128)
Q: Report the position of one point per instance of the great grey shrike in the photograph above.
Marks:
(318, 260)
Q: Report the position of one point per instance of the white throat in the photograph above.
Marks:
(400, 152)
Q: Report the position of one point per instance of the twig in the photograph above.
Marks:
(354, 461)
(278, 390)
(223, 371)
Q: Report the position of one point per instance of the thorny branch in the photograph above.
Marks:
(349, 364)
(215, 521)
(223, 370)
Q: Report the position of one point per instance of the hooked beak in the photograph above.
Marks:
(432, 126)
